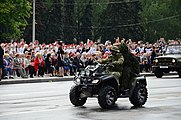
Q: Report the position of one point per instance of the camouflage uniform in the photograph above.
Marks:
(130, 66)
(117, 60)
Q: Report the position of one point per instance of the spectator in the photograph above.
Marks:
(76, 62)
(71, 57)
(91, 59)
(8, 72)
(105, 55)
(18, 66)
(83, 59)
(37, 63)
(48, 64)
(54, 63)
(41, 66)
(66, 65)
(29, 66)
(1, 61)
(60, 60)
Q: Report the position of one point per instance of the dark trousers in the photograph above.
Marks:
(31, 70)
(50, 69)
(6, 70)
(126, 77)
(71, 70)
(40, 70)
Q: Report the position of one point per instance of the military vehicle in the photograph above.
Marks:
(169, 61)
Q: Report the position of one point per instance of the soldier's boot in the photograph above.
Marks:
(126, 89)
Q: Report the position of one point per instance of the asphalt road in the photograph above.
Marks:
(49, 101)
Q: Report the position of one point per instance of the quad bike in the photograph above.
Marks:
(93, 81)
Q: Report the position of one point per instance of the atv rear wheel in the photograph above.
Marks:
(74, 96)
(158, 73)
(139, 95)
(107, 97)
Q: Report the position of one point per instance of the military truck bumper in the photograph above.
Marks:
(166, 68)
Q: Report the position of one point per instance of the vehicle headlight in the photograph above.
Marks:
(173, 60)
(95, 81)
(156, 60)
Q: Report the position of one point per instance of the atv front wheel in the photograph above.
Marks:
(139, 95)
(107, 97)
(74, 96)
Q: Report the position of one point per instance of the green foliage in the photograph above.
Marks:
(97, 12)
(13, 15)
(90, 19)
(161, 19)
(41, 21)
(121, 19)
(54, 24)
(86, 23)
(69, 21)
(48, 3)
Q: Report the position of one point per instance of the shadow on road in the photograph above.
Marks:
(114, 108)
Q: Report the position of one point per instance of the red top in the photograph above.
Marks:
(37, 62)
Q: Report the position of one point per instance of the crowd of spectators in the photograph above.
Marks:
(59, 59)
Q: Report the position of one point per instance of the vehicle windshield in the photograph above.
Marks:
(173, 49)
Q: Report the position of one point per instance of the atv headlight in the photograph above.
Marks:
(87, 73)
(173, 60)
(156, 60)
(77, 81)
(95, 81)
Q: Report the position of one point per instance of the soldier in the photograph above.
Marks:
(117, 60)
(130, 65)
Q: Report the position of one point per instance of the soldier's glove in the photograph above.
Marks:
(111, 65)
(134, 74)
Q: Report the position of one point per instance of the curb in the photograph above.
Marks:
(35, 80)
(57, 79)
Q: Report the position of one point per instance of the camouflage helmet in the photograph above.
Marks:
(115, 49)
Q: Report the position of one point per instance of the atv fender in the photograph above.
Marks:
(138, 80)
(111, 81)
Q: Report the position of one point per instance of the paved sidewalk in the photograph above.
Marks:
(46, 78)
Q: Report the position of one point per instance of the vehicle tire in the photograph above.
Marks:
(158, 73)
(74, 96)
(139, 95)
(107, 97)
(179, 73)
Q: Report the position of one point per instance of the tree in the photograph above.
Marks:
(135, 29)
(13, 15)
(41, 20)
(161, 19)
(121, 19)
(69, 20)
(86, 23)
(54, 25)
(98, 7)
